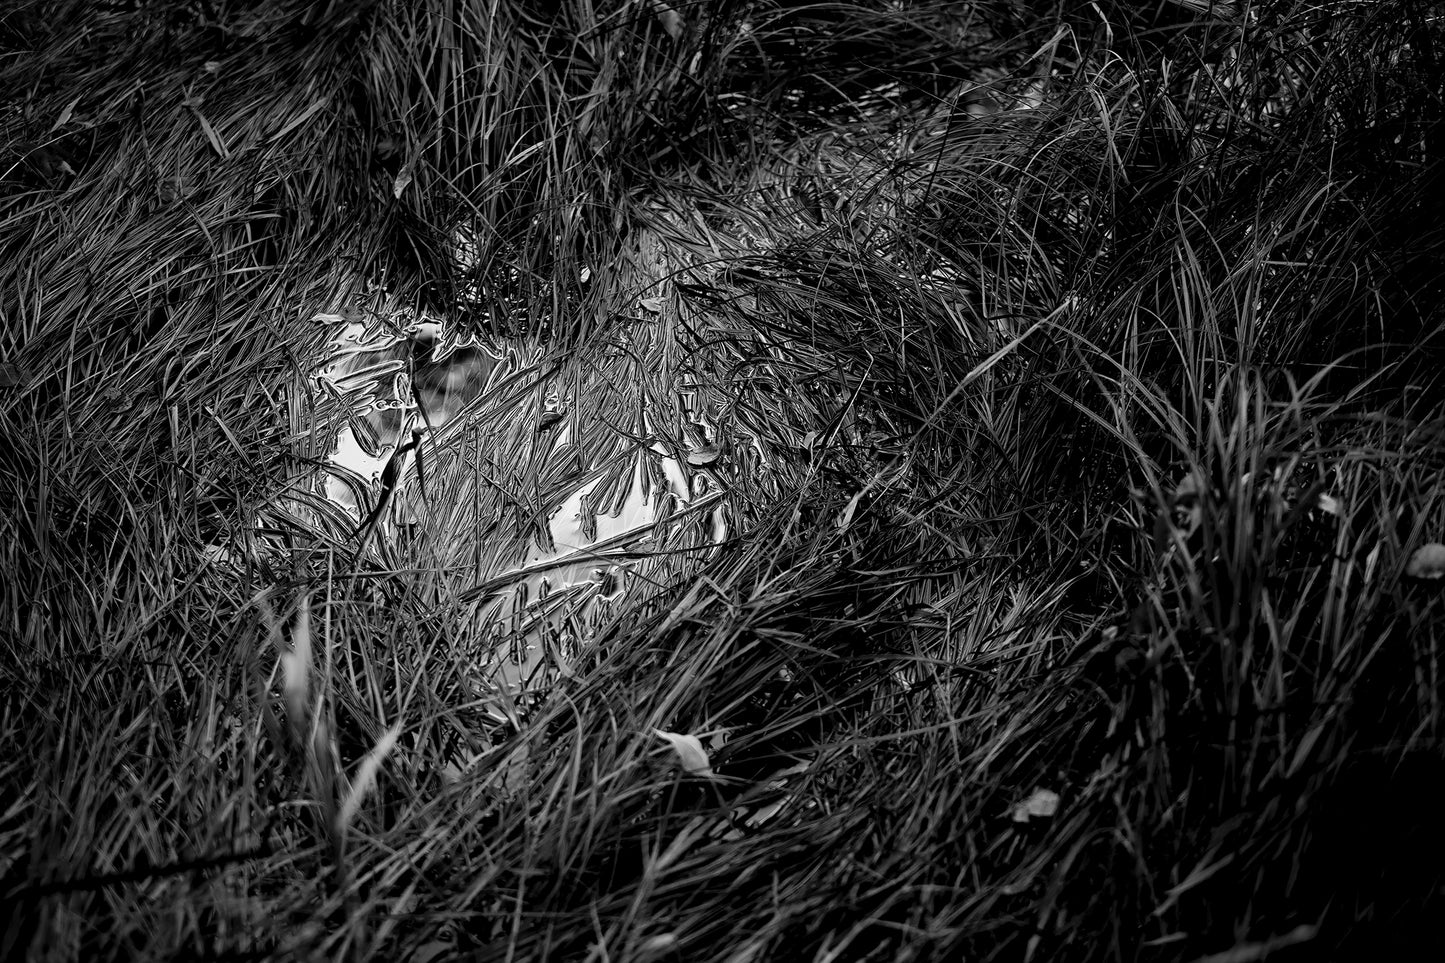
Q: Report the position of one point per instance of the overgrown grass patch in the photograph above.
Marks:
(1058, 390)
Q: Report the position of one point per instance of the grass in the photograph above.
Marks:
(1072, 374)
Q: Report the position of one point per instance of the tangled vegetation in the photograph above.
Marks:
(1071, 377)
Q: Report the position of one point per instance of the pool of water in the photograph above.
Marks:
(394, 387)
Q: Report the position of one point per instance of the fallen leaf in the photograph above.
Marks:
(403, 179)
(690, 753)
(1427, 562)
(670, 19)
(1041, 805)
(651, 305)
(703, 457)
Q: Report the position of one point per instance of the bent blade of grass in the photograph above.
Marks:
(296, 671)
(365, 778)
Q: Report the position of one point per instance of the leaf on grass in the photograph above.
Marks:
(651, 305)
(366, 777)
(690, 753)
(1041, 805)
(403, 180)
(1427, 562)
(703, 457)
(670, 19)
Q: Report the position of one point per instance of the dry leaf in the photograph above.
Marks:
(403, 179)
(703, 457)
(1427, 562)
(690, 753)
(651, 305)
(1041, 805)
(670, 19)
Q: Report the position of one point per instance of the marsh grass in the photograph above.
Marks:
(1067, 376)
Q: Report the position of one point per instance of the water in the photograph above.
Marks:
(387, 381)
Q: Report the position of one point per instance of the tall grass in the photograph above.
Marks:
(1068, 380)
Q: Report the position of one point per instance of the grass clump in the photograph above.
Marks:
(1057, 388)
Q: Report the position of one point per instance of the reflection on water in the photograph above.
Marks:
(387, 382)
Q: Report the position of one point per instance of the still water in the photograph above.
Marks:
(396, 387)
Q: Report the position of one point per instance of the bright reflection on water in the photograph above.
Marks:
(389, 382)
